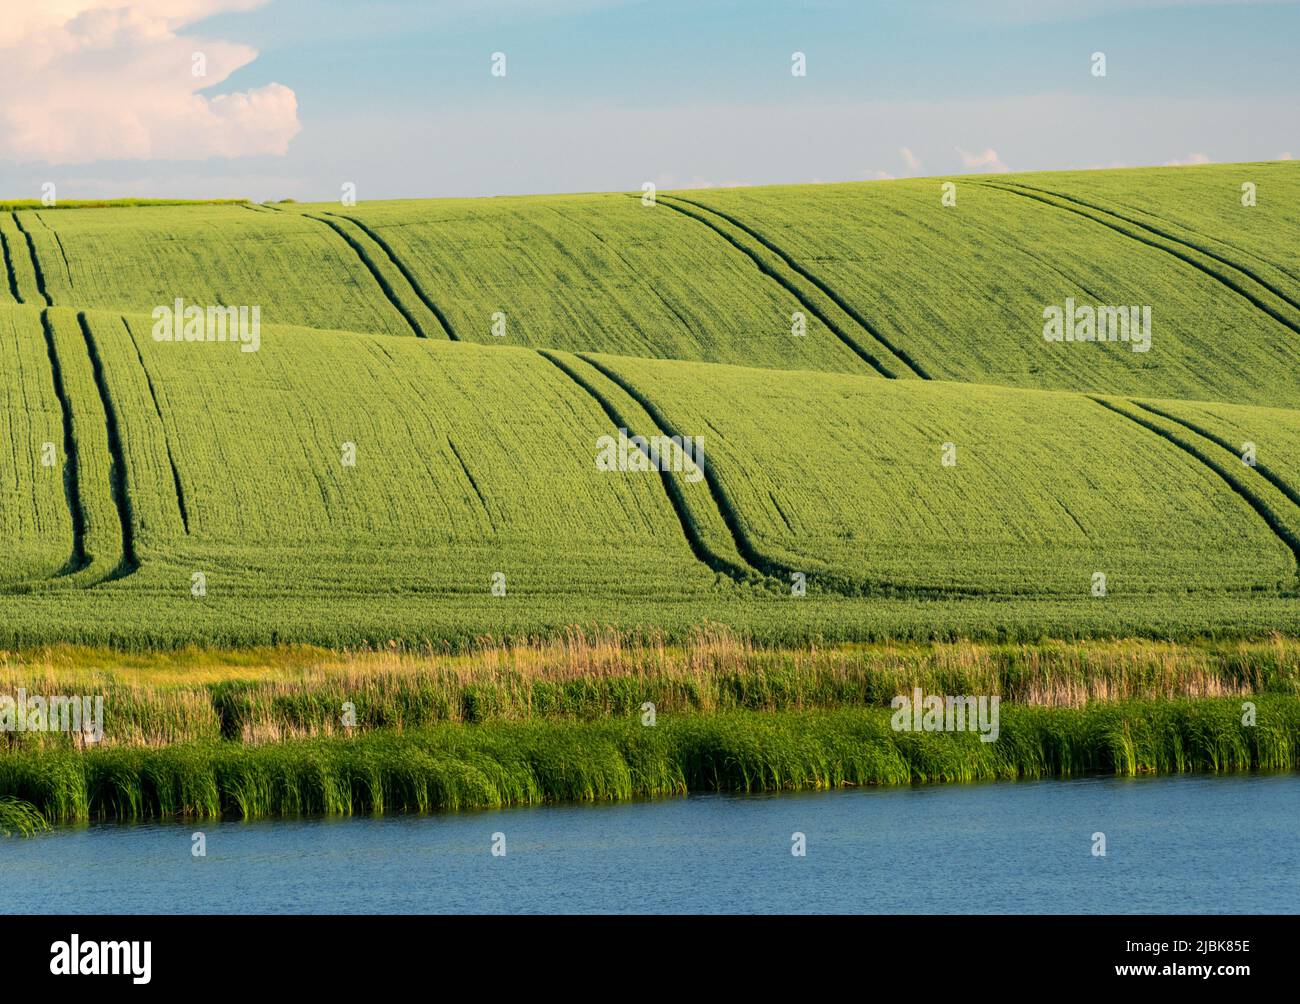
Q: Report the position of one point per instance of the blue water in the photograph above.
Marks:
(1180, 845)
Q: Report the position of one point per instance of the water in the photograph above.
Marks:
(1178, 845)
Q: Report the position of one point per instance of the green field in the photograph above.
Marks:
(410, 455)
(958, 289)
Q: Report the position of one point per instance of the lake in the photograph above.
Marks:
(1189, 844)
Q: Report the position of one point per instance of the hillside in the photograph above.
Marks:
(386, 466)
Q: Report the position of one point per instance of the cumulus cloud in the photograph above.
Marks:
(1190, 160)
(87, 80)
(988, 161)
(911, 160)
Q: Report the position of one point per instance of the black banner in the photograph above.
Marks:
(940, 954)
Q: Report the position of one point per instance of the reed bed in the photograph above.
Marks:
(20, 817)
(274, 695)
(458, 767)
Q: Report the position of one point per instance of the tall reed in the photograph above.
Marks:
(274, 695)
(521, 763)
(20, 817)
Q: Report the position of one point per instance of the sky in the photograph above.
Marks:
(271, 99)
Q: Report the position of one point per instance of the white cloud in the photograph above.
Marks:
(1284, 156)
(87, 80)
(912, 161)
(1190, 160)
(879, 176)
(987, 162)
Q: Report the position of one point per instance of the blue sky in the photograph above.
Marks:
(396, 96)
(679, 52)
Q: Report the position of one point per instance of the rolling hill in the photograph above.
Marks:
(414, 449)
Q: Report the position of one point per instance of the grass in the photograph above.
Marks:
(279, 694)
(21, 818)
(458, 767)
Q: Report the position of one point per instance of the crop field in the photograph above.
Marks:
(961, 289)
(385, 493)
(844, 476)
(874, 440)
(35, 523)
(1267, 439)
(596, 273)
(1189, 206)
(134, 259)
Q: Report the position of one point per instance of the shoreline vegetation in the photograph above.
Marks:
(492, 765)
(295, 692)
(202, 734)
